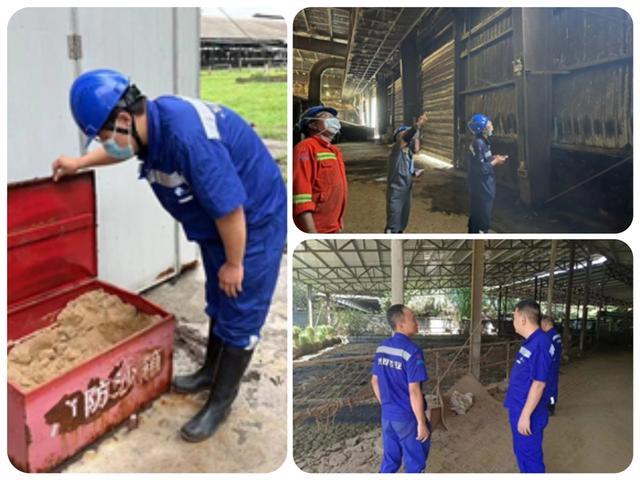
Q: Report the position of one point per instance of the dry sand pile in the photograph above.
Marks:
(88, 325)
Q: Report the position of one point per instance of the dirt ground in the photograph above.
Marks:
(593, 428)
(254, 437)
(591, 432)
(440, 200)
(366, 173)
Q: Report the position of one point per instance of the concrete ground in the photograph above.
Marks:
(440, 200)
(592, 430)
(254, 437)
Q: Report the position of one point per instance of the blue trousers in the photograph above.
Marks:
(398, 207)
(552, 389)
(528, 448)
(401, 447)
(482, 192)
(238, 321)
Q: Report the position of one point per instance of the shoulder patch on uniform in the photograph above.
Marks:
(207, 117)
(556, 337)
(304, 156)
(525, 352)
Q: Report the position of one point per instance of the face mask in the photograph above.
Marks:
(116, 151)
(332, 124)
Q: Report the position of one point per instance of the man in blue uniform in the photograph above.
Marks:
(212, 173)
(525, 400)
(397, 374)
(480, 174)
(548, 326)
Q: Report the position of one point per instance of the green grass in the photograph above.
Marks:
(261, 103)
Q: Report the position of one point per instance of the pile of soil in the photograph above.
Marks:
(87, 326)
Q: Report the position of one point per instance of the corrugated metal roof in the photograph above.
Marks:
(241, 28)
(363, 266)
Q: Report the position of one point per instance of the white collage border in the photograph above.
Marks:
(289, 470)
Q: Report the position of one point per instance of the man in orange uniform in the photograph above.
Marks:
(319, 178)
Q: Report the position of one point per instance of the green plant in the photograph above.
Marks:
(296, 332)
(310, 333)
(303, 339)
(461, 298)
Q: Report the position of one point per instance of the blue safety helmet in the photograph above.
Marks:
(311, 114)
(93, 96)
(400, 129)
(478, 123)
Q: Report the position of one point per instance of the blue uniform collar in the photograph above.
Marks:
(401, 336)
(153, 137)
(534, 335)
(484, 139)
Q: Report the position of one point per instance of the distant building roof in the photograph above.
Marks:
(243, 29)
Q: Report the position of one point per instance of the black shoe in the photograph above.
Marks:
(552, 409)
(233, 363)
(202, 379)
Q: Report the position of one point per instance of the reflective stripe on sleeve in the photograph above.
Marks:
(301, 198)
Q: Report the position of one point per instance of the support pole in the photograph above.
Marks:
(475, 330)
(601, 314)
(533, 101)
(566, 331)
(310, 305)
(552, 269)
(585, 308)
(410, 70)
(382, 107)
(500, 310)
(505, 301)
(458, 86)
(397, 272)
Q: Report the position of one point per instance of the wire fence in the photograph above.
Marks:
(323, 387)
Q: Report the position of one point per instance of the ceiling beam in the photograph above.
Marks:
(316, 45)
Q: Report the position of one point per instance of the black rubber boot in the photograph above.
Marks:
(202, 379)
(233, 363)
(552, 408)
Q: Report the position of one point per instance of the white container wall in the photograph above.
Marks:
(138, 241)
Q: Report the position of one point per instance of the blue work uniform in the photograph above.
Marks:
(552, 384)
(203, 161)
(482, 185)
(533, 362)
(400, 172)
(397, 363)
